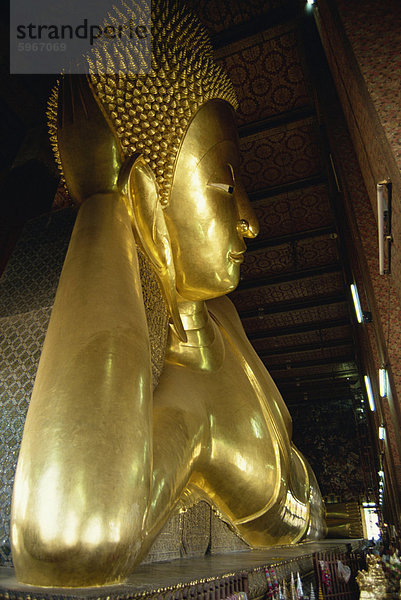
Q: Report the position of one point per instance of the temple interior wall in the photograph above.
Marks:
(361, 42)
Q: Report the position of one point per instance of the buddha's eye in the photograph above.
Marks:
(229, 189)
(223, 179)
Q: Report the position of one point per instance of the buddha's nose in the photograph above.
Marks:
(247, 225)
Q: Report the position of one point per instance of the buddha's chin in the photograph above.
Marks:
(219, 283)
(229, 284)
(207, 294)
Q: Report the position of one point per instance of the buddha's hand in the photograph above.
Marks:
(91, 155)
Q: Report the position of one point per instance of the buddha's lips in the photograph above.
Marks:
(237, 257)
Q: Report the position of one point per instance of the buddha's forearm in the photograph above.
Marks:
(83, 479)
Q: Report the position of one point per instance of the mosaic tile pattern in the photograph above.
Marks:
(193, 533)
(186, 534)
(222, 537)
(376, 156)
(374, 31)
(20, 347)
(30, 279)
(27, 290)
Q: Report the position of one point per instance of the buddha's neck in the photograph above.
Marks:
(204, 348)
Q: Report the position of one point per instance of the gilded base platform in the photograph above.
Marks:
(189, 577)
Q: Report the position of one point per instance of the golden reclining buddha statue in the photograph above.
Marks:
(148, 396)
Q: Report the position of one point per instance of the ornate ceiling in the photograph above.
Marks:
(293, 296)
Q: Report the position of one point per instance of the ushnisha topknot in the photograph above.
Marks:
(151, 111)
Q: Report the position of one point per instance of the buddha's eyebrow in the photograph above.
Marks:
(212, 148)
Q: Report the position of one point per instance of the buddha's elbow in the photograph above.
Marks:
(94, 553)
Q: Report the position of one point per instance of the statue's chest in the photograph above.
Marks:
(231, 391)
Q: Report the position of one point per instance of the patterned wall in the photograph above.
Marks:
(374, 31)
(27, 290)
(366, 73)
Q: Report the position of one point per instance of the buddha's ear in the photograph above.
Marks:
(150, 227)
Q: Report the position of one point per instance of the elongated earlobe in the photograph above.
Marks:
(140, 187)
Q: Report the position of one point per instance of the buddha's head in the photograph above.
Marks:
(208, 213)
(176, 126)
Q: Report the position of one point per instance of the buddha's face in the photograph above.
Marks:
(209, 213)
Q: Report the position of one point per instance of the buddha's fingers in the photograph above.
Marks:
(90, 153)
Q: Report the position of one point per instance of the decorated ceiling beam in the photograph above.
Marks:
(294, 329)
(311, 363)
(306, 347)
(292, 305)
(280, 15)
(285, 118)
(292, 276)
(258, 244)
(284, 188)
